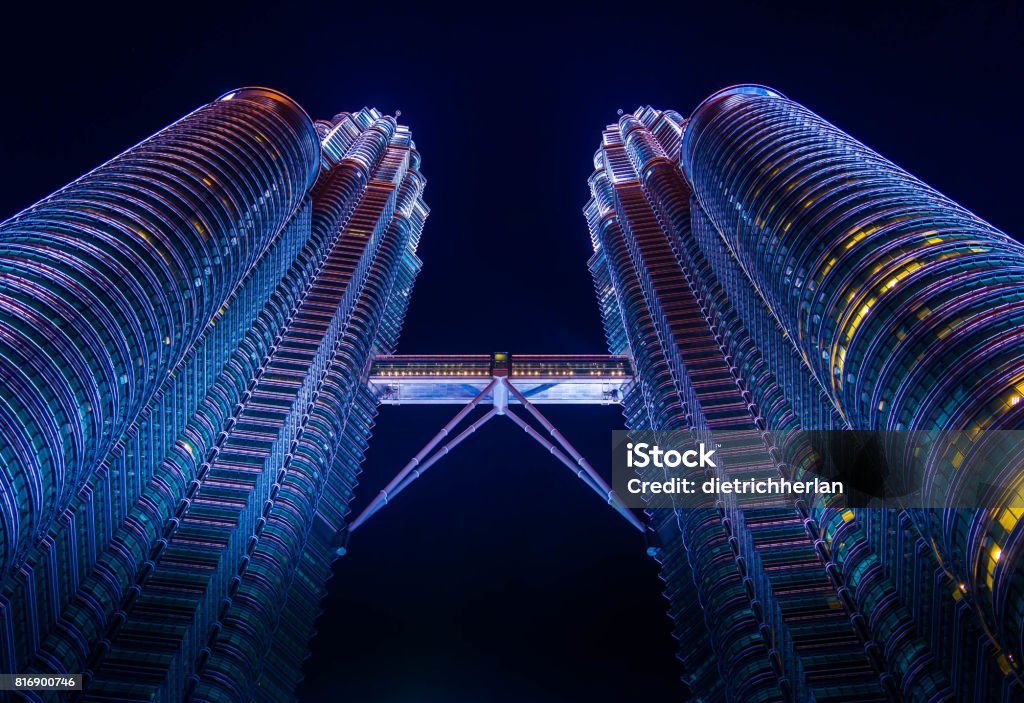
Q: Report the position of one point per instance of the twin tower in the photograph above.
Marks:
(190, 333)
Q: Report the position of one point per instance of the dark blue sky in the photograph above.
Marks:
(497, 577)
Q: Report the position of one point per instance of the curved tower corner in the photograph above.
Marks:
(905, 305)
(184, 334)
(768, 272)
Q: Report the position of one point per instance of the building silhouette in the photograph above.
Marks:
(183, 333)
(767, 272)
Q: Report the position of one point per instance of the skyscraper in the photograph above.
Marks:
(194, 338)
(766, 271)
(183, 337)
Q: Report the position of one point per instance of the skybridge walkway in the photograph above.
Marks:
(575, 379)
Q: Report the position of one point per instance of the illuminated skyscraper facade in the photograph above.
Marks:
(187, 345)
(765, 271)
(184, 335)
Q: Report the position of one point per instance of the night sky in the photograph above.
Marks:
(498, 577)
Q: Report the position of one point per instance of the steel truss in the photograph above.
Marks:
(500, 388)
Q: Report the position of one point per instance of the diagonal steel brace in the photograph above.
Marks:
(382, 498)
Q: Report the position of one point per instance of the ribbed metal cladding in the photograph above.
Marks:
(105, 284)
(905, 306)
(640, 281)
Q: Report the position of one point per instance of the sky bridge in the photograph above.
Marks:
(574, 379)
(498, 380)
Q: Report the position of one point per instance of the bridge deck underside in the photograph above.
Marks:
(568, 379)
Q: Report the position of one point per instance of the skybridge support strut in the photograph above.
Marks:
(498, 392)
(609, 496)
(422, 468)
(582, 466)
(382, 498)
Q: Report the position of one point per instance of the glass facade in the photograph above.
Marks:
(765, 271)
(185, 335)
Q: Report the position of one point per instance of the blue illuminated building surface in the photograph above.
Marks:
(766, 272)
(195, 338)
(184, 333)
